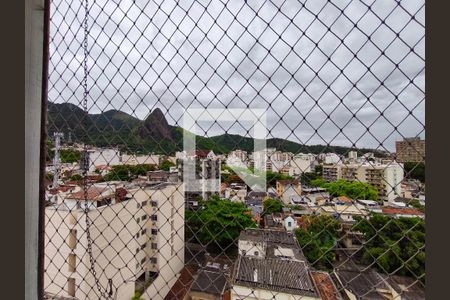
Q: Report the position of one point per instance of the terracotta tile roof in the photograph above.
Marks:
(344, 199)
(103, 167)
(401, 211)
(62, 189)
(93, 193)
(325, 285)
(183, 285)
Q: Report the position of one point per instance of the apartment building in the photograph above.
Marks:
(201, 176)
(410, 150)
(301, 163)
(386, 178)
(140, 159)
(331, 172)
(137, 237)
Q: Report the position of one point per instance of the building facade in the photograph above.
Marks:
(410, 150)
(136, 239)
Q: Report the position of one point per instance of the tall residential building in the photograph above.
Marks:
(386, 178)
(410, 150)
(301, 163)
(206, 179)
(137, 237)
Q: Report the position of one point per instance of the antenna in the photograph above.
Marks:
(57, 158)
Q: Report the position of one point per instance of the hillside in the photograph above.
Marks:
(155, 134)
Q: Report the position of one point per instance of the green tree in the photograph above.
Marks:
(166, 164)
(119, 172)
(141, 169)
(70, 156)
(219, 221)
(415, 170)
(272, 178)
(351, 189)
(394, 245)
(318, 239)
(272, 206)
(76, 177)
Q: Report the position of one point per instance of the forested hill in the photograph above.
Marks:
(155, 134)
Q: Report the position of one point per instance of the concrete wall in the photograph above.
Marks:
(240, 292)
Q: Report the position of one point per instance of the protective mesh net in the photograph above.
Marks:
(305, 178)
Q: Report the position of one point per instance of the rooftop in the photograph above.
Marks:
(92, 193)
(325, 286)
(277, 275)
(401, 211)
(211, 281)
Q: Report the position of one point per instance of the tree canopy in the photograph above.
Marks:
(351, 189)
(394, 245)
(272, 206)
(415, 170)
(317, 238)
(219, 222)
(166, 164)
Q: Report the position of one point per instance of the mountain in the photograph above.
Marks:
(155, 134)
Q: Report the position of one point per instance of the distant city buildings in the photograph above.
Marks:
(410, 150)
(386, 178)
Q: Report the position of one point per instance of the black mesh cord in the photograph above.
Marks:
(235, 150)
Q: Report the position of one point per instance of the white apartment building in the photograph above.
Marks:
(330, 158)
(270, 159)
(140, 159)
(301, 163)
(135, 238)
(386, 178)
(102, 157)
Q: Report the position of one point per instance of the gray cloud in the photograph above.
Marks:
(176, 55)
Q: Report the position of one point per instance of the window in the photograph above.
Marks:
(153, 260)
(154, 246)
(256, 253)
(138, 206)
(154, 203)
(144, 232)
(143, 260)
(154, 218)
(154, 231)
(144, 203)
(71, 287)
(137, 235)
(289, 224)
(143, 246)
(137, 250)
(73, 238)
(72, 262)
(144, 217)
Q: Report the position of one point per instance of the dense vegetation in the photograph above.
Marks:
(166, 164)
(272, 206)
(218, 223)
(351, 189)
(116, 128)
(317, 238)
(394, 245)
(415, 170)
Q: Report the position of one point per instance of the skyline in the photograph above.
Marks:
(204, 57)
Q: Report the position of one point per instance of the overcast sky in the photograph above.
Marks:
(295, 59)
